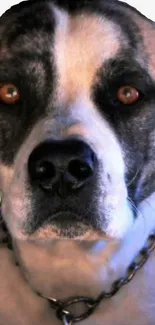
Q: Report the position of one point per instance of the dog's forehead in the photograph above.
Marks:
(82, 43)
(87, 35)
(78, 42)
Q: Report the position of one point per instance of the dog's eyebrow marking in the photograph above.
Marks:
(4, 52)
(82, 43)
(6, 174)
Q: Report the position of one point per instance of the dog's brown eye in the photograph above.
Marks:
(127, 95)
(9, 93)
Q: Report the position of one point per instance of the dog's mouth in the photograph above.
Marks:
(63, 225)
(67, 224)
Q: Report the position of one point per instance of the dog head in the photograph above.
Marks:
(76, 117)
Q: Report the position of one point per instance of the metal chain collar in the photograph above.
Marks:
(91, 304)
(61, 307)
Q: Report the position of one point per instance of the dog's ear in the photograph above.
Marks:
(146, 31)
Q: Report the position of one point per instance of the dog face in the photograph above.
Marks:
(76, 117)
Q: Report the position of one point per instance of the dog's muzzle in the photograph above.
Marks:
(61, 166)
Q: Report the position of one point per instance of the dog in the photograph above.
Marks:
(77, 159)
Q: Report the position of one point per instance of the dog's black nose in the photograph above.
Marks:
(61, 165)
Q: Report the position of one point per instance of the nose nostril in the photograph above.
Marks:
(44, 171)
(80, 170)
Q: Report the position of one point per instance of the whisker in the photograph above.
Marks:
(138, 210)
(132, 204)
(133, 179)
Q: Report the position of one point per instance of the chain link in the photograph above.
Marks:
(65, 321)
(68, 318)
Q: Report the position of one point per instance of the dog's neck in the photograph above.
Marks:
(70, 268)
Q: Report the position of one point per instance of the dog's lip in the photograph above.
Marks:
(66, 224)
(71, 220)
(65, 216)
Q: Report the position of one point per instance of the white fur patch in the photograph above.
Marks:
(82, 44)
